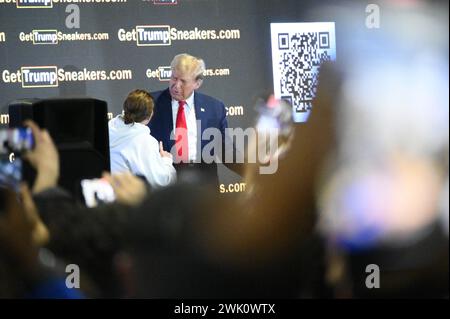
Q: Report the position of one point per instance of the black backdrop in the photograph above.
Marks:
(239, 58)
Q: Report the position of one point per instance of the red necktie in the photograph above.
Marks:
(181, 136)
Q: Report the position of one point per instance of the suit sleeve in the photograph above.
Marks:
(228, 144)
(223, 119)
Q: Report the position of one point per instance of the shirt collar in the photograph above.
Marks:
(189, 102)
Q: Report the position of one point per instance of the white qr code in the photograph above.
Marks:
(298, 50)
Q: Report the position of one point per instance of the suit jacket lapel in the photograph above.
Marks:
(198, 107)
(200, 113)
(168, 117)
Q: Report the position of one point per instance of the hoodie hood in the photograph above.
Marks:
(120, 133)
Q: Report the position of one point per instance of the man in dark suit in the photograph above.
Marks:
(181, 117)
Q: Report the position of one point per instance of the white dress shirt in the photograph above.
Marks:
(191, 123)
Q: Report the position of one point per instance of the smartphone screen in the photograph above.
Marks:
(10, 172)
(16, 140)
(97, 191)
(13, 143)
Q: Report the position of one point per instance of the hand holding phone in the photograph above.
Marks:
(43, 158)
(97, 191)
(13, 143)
(16, 140)
(128, 188)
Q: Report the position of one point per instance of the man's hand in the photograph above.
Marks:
(44, 158)
(163, 152)
(129, 189)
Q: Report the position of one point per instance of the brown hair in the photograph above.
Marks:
(138, 106)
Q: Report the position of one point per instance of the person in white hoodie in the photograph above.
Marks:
(133, 149)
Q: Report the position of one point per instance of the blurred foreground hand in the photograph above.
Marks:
(129, 189)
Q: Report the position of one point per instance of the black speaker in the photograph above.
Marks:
(79, 128)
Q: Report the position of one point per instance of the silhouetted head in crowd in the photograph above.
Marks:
(182, 245)
(138, 107)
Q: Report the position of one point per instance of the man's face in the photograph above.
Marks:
(182, 85)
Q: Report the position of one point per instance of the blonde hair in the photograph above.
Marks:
(188, 64)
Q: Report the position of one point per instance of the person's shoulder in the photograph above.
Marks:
(116, 121)
(158, 94)
(208, 99)
(153, 145)
(148, 139)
